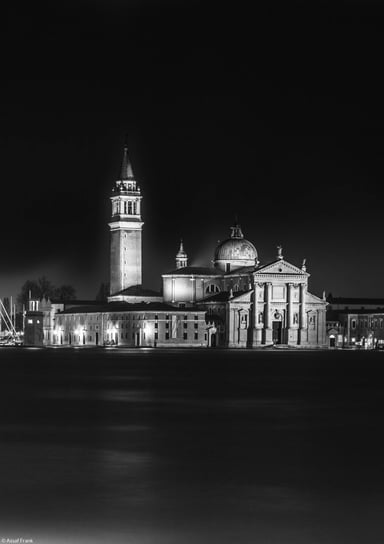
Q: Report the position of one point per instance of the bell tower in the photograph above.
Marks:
(125, 227)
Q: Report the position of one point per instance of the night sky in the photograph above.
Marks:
(273, 115)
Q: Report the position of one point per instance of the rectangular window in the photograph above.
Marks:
(156, 335)
(185, 336)
(196, 335)
(156, 325)
(167, 325)
(185, 325)
(196, 325)
(174, 326)
(353, 323)
(167, 335)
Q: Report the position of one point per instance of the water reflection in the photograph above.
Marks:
(162, 447)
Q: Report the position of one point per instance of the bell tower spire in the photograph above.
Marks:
(126, 167)
(125, 227)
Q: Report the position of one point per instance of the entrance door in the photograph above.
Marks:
(332, 341)
(213, 340)
(276, 332)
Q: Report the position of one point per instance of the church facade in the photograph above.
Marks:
(238, 302)
(249, 304)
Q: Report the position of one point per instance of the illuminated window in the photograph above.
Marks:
(212, 288)
(30, 321)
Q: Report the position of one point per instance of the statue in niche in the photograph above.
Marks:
(295, 319)
(260, 317)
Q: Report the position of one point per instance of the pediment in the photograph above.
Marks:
(281, 267)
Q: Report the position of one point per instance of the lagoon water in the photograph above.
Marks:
(172, 447)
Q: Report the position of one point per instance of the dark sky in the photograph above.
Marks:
(274, 115)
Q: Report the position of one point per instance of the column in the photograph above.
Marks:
(257, 308)
(193, 289)
(303, 315)
(267, 314)
(289, 306)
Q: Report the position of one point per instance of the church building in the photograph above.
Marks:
(239, 302)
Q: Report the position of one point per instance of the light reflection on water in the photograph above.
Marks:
(161, 447)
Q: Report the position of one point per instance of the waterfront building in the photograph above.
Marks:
(248, 303)
(355, 322)
(237, 302)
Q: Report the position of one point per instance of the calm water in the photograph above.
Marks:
(171, 447)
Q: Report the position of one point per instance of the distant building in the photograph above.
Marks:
(238, 302)
(33, 329)
(355, 323)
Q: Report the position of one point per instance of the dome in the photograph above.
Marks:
(235, 252)
(231, 249)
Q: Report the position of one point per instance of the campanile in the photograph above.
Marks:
(125, 227)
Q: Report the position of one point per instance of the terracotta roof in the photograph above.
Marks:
(128, 307)
(195, 271)
(351, 300)
(138, 291)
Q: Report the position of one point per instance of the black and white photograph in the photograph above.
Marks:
(192, 272)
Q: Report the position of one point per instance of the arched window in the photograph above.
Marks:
(212, 288)
(129, 207)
